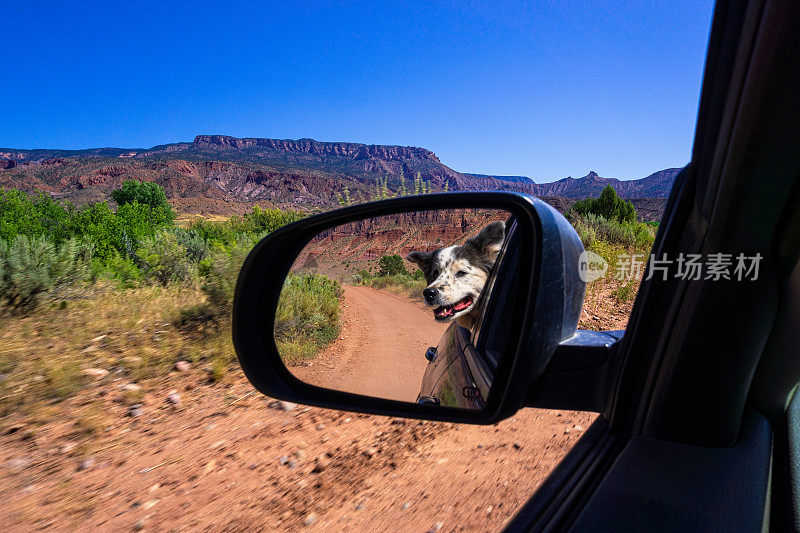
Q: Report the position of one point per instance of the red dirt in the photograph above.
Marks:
(381, 349)
(216, 467)
(228, 459)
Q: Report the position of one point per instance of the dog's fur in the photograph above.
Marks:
(456, 274)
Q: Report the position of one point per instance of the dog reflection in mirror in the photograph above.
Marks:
(456, 274)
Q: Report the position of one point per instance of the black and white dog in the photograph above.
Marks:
(456, 274)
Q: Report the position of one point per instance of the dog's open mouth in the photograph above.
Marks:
(446, 311)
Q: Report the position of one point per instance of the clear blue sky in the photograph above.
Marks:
(544, 89)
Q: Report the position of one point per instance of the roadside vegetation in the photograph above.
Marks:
(307, 319)
(607, 226)
(47, 247)
(383, 190)
(390, 274)
(95, 290)
(122, 290)
(610, 220)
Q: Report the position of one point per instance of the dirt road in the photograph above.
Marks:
(223, 458)
(380, 351)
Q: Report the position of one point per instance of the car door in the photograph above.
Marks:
(696, 433)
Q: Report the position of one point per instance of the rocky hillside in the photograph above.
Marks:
(656, 185)
(348, 248)
(220, 174)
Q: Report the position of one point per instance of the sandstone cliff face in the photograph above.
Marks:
(222, 171)
(312, 147)
(361, 244)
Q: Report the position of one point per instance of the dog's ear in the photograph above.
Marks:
(420, 258)
(488, 242)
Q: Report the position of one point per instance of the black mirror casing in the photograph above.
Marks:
(545, 304)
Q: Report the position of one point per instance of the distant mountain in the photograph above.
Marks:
(512, 179)
(222, 174)
(656, 185)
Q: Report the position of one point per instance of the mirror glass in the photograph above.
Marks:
(403, 307)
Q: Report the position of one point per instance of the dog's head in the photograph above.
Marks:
(456, 274)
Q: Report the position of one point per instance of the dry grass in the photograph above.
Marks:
(47, 357)
(609, 300)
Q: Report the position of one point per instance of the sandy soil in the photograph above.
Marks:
(381, 349)
(214, 465)
(226, 459)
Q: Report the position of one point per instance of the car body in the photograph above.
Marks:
(462, 366)
(699, 420)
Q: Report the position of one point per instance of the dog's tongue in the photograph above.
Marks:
(447, 310)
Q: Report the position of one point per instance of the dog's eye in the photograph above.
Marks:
(460, 274)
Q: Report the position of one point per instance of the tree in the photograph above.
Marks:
(391, 264)
(141, 192)
(608, 205)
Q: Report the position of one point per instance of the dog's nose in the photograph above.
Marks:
(430, 295)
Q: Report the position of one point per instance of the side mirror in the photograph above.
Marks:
(442, 307)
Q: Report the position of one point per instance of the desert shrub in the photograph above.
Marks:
(587, 234)
(356, 279)
(197, 248)
(220, 281)
(143, 193)
(409, 284)
(608, 205)
(307, 318)
(625, 292)
(73, 262)
(267, 220)
(389, 265)
(40, 215)
(164, 259)
(32, 266)
(592, 228)
(118, 267)
(258, 222)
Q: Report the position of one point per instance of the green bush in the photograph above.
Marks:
(107, 231)
(118, 267)
(220, 281)
(592, 228)
(307, 318)
(608, 205)
(32, 266)
(138, 242)
(389, 265)
(119, 231)
(164, 259)
(40, 216)
(143, 193)
(258, 222)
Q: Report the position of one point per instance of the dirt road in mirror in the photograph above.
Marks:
(381, 348)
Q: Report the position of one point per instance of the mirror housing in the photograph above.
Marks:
(544, 304)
